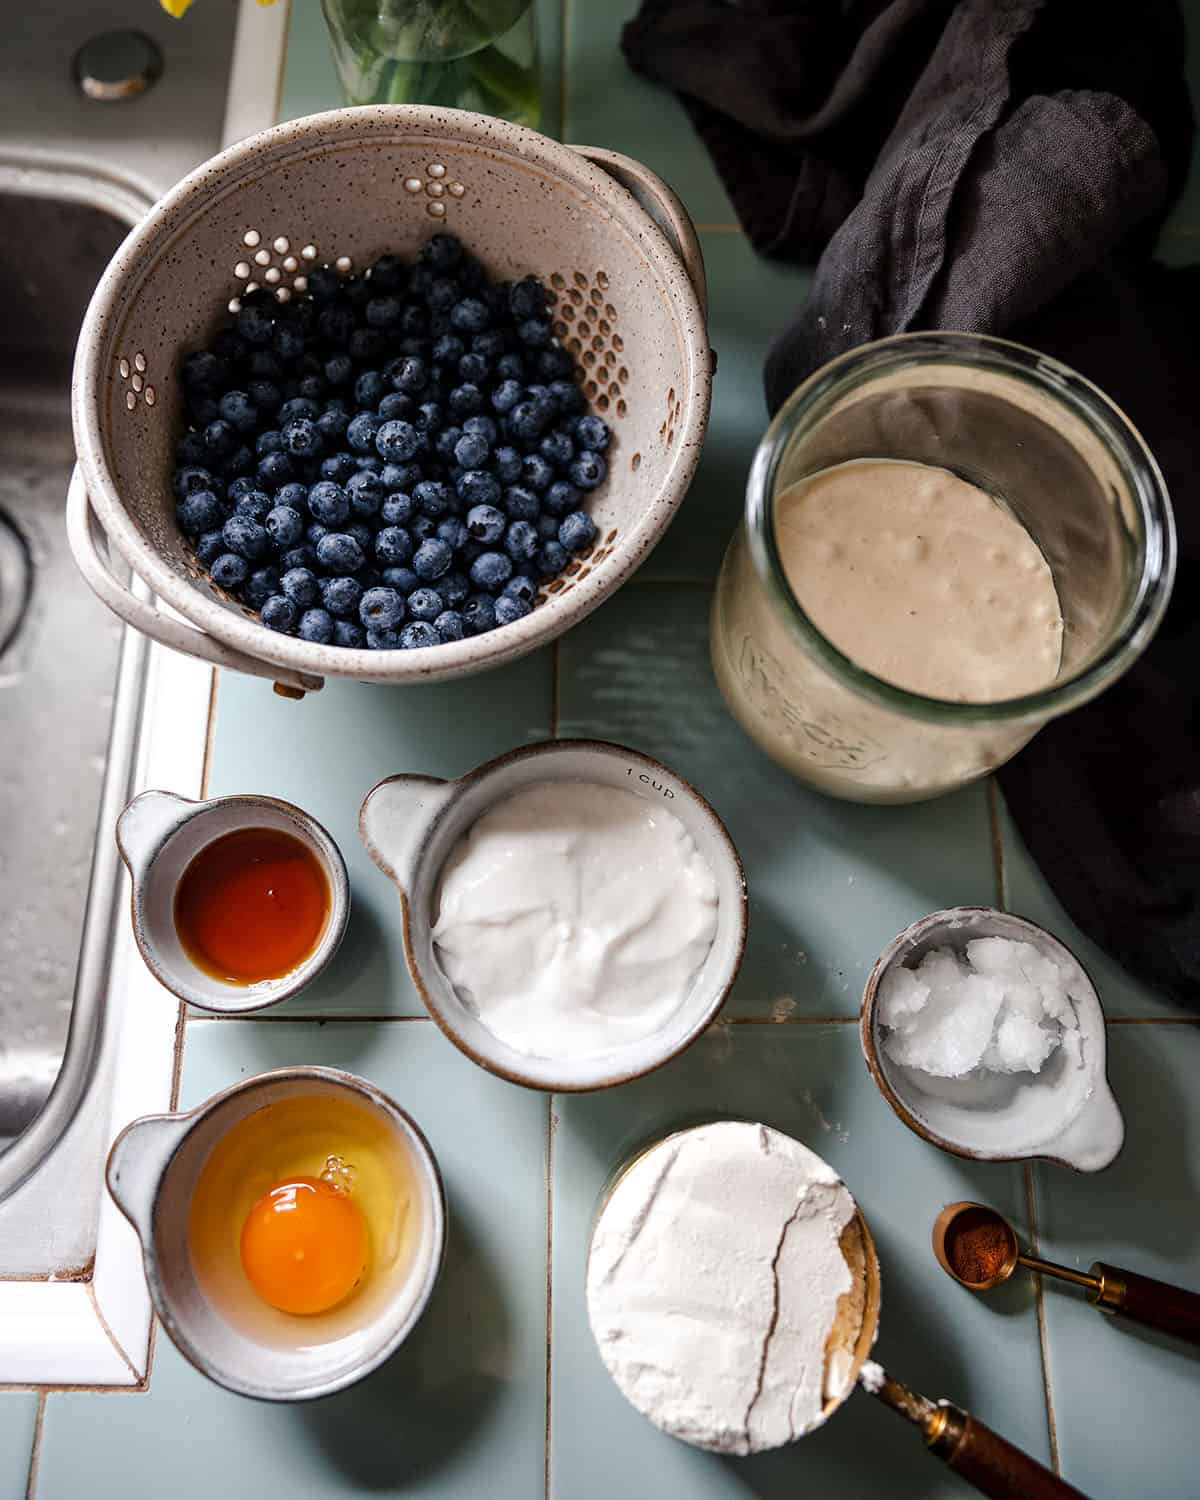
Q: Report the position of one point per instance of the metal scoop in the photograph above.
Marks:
(1124, 1294)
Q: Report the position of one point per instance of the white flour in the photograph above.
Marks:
(713, 1285)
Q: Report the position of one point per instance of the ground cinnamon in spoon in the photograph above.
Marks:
(977, 1244)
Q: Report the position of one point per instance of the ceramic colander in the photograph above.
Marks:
(607, 237)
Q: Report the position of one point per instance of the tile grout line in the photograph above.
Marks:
(993, 801)
(563, 9)
(550, 1127)
(1039, 1295)
(554, 675)
(35, 1451)
(210, 734)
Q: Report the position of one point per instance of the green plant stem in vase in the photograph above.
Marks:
(461, 54)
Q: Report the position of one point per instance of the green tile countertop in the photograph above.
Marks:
(501, 1392)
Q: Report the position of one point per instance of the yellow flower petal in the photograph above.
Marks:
(175, 8)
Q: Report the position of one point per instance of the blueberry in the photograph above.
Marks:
(557, 449)
(411, 375)
(491, 571)
(313, 534)
(449, 626)
(400, 477)
(466, 399)
(388, 274)
(397, 509)
(328, 503)
(561, 497)
(287, 340)
(361, 432)
(591, 433)
(260, 586)
(506, 395)
(429, 417)
(203, 373)
(425, 604)
(577, 532)
(191, 450)
(199, 511)
(431, 559)
(316, 625)
(473, 369)
(568, 395)
(253, 503)
(588, 470)
(396, 406)
(240, 462)
(552, 558)
(203, 410)
(489, 343)
(338, 467)
(479, 614)
(534, 332)
(417, 635)
(521, 541)
(510, 367)
(238, 411)
(452, 532)
(448, 350)
(403, 580)
(284, 526)
(366, 492)
(341, 596)
(527, 421)
(340, 553)
(520, 586)
(210, 546)
(363, 534)
(443, 443)
(220, 439)
(229, 570)
(526, 298)
(396, 442)
(298, 557)
(383, 640)
(297, 408)
(312, 386)
(323, 284)
(393, 546)
(506, 464)
(536, 472)
(443, 251)
(547, 527)
(346, 633)
(332, 424)
(369, 389)
(255, 323)
(301, 587)
(555, 364)
(384, 312)
(520, 503)
(381, 609)
(273, 470)
(269, 441)
(335, 322)
(454, 588)
(370, 461)
(302, 438)
(278, 613)
(367, 344)
(432, 498)
(478, 487)
(245, 537)
(339, 369)
(485, 523)
(471, 315)
(472, 450)
(421, 528)
(509, 610)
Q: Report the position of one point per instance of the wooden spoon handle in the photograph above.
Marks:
(991, 1463)
(1155, 1304)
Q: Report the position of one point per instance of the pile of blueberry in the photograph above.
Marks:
(394, 460)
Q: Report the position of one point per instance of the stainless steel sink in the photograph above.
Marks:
(64, 692)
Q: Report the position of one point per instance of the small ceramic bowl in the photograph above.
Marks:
(411, 823)
(1065, 1113)
(159, 834)
(153, 1169)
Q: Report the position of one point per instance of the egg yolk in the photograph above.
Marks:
(304, 1246)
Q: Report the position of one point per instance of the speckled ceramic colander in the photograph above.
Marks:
(609, 239)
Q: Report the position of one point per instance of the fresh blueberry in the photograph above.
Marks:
(561, 498)
(425, 604)
(471, 315)
(301, 587)
(482, 426)
(339, 369)
(568, 395)
(303, 556)
(577, 532)
(312, 386)
(421, 528)
(367, 344)
(557, 448)
(473, 368)
(449, 626)
(278, 613)
(393, 546)
(466, 399)
(302, 438)
(415, 321)
(479, 614)
(489, 343)
(520, 503)
(418, 634)
(210, 546)
(316, 625)
(297, 408)
(491, 571)
(592, 434)
(255, 323)
(381, 609)
(191, 450)
(509, 609)
(452, 532)
(536, 473)
(245, 537)
(339, 553)
(239, 411)
(260, 586)
(395, 442)
(369, 389)
(396, 406)
(486, 524)
(361, 432)
(346, 633)
(521, 541)
(400, 477)
(203, 373)
(431, 559)
(478, 487)
(328, 503)
(443, 251)
(253, 503)
(287, 340)
(527, 421)
(332, 424)
(555, 364)
(403, 580)
(388, 274)
(199, 511)
(412, 375)
(587, 470)
(370, 461)
(552, 558)
(338, 467)
(397, 509)
(294, 495)
(432, 498)
(526, 298)
(471, 450)
(454, 588)
(506, 395)
(506, 464)
(448, 350)
(366, 492)
(220, 439)
(520, 586)
(429, 418)
(444, 442)
(313, 533)
(361, 532)
(341, 596)
(274, 469)
(284, 526)
(547, 527)
(229, 570)
(269, 441)
(383, 640)
(510, 367)
(324, 284)
(239, 463)
(534, 332)
(384, 312)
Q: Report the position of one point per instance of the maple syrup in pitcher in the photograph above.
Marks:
(252, 905)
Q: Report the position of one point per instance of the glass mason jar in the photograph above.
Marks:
(1064, 460)
(462, 54)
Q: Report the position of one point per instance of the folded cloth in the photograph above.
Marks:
(999, 166)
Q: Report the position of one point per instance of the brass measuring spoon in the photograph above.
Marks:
(1124, 1294)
